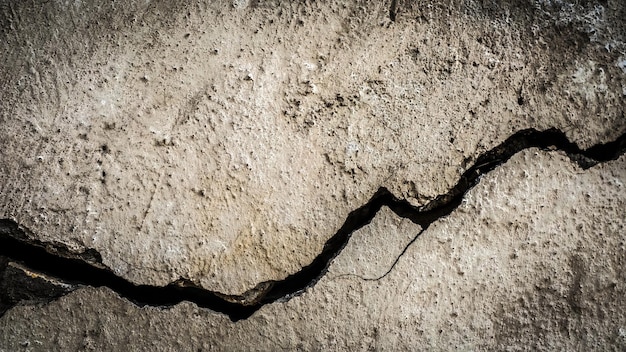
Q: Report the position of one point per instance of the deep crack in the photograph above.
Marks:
(393, 10)
(85, 269)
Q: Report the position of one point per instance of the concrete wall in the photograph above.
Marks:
(313, 175)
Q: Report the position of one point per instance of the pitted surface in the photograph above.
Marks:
(222, 145)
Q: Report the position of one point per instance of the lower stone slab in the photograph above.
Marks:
(532, 259)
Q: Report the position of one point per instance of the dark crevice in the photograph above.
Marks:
(393, 10)
(79, 270)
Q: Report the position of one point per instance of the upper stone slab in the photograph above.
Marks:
(225, 142)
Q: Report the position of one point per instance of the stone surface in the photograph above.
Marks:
(224, 142)
(532, 260)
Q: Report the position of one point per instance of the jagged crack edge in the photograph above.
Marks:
(86, 269)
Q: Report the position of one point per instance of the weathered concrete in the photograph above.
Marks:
(225, 142)
(533, 259)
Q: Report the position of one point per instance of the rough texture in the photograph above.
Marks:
(518, 266)
(224, 142)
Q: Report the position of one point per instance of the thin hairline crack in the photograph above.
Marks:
(55, 261)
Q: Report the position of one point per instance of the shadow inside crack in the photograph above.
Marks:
(67, 271)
